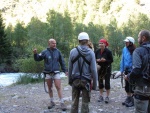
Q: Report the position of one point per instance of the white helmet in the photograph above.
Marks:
(83, 36)
(129, 39)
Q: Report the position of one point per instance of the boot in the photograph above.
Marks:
(126, 100)
(130, 103)
(63, 107)
(100, 99)
(106, 100)
(52, 104)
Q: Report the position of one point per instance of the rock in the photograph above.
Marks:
(100, 110)
(66, 88)
(15, 105)
(31, 98)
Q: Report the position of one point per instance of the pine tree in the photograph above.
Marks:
(5, 48)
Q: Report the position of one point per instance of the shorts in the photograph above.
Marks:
(53, 76)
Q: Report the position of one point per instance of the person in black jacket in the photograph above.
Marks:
(53, 59)
(139, 73)
(104, 59)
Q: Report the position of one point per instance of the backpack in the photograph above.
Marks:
(146, 61)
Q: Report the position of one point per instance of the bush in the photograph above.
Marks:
(28, 78)
(28, 65)
(116, 63)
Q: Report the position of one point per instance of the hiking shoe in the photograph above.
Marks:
(52, 104)
(106, 100)
(63, 107)
(130, 103)
(127, 100)
(100, 99)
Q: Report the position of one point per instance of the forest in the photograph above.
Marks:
(29, 24)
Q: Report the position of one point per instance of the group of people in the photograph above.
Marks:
(86, 67)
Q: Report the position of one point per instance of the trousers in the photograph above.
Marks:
(142, 106)
(78, 87)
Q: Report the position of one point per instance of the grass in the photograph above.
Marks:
(33, 78)
(28, 78)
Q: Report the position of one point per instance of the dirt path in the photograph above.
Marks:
(31, 98)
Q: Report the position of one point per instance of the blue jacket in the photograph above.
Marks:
(126, 60)
(52, 60)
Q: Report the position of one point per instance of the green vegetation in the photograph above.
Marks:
(5, 49)
(29, 24)
(28, 78)
(116, 63)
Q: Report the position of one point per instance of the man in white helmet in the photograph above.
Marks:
(82, 67)
(126, 67)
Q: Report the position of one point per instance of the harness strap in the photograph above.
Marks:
(81, 66)
(80, 55)
(140, 97)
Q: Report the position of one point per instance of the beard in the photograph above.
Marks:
(140, 41)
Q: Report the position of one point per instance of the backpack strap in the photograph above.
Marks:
(80, 67)
(80, 55)
(147, 48)
(146, 72)
(148, 52)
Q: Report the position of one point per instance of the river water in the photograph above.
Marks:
(7, 79)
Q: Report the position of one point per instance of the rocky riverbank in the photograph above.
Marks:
(31, 98)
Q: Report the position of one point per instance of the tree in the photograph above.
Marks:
(115, 38)
(95, 33)
(61, 29)
(37, 32)
(19, 40)
(5, 47)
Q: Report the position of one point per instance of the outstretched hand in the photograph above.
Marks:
(35, 51)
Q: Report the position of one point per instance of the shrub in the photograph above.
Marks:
(116, 63)
(28, 78)
(28, 65)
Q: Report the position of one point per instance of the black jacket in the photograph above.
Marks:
(107, 54)
(53, 59)
(139, 65)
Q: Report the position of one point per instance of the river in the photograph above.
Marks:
(7, 79)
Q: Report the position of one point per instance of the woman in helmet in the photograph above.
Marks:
(104, 59)
(126, 67)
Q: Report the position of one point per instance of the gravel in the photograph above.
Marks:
(31, 98)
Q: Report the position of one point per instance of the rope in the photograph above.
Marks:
(122, 79)
(44, 83)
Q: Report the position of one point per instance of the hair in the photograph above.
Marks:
(83, 42)
(131, 48)
(90, 44)
(51, 39)
(145, 33)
